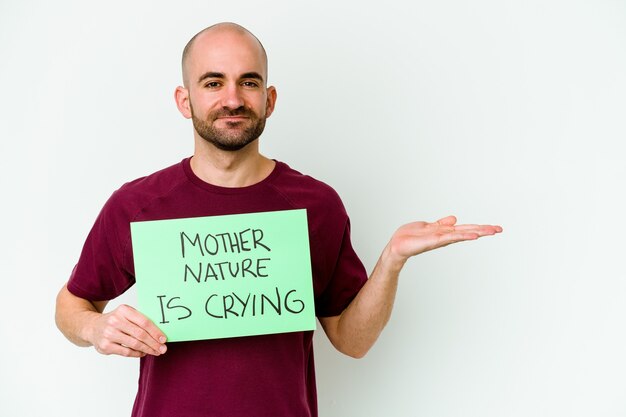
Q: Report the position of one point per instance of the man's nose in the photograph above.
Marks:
(232, 98)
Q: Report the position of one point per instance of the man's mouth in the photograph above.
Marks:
(232, 118)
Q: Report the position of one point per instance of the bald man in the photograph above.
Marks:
(226, 96)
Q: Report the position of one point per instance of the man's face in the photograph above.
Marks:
(229, 130)
(228, 99)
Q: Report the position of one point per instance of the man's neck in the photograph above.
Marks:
(230, 169)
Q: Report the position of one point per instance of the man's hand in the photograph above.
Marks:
(126, 332)
(415, 238)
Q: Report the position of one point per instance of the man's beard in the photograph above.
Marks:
(232, 138)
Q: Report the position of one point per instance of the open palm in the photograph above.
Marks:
(418, 237)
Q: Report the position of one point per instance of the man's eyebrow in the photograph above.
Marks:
(210, 74)
(253, 75)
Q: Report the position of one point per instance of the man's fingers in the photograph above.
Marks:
(418, 237)
(465, 227)
(142, 329)
(127, 332)
(143, 322)
(467, 234)
(137, 338)
(117, 349)
(113, 345)
(136, 344)
(482, 230)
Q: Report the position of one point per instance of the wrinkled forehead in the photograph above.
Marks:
(229, 52)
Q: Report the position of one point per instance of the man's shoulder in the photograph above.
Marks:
(142, 190)
(305, 190)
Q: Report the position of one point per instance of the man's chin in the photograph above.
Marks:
(231, 146)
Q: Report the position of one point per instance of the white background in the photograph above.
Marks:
(507, 112)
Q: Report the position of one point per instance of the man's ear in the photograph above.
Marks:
(271, 101)
(181, 95)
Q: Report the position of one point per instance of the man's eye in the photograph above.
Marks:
(251, 84)
(212, 84)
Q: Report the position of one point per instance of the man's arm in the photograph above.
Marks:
(123, 331)
(355, 330)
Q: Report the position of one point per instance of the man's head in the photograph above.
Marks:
(225, 94)
(224, 28)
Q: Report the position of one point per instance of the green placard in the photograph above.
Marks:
(225, 276)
